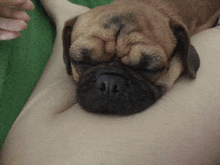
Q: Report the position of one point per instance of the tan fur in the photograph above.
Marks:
(146, 29)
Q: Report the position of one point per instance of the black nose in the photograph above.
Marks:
(110, 85)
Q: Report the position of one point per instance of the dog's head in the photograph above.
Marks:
(125, 57)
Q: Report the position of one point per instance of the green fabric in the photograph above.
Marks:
(23, 60)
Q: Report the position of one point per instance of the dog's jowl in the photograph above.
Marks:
(125, 55)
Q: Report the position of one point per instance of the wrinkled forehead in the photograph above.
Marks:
(103, 22)
(136, 13)
(130, 32)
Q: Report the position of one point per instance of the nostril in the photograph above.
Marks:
(115, 88)
(110, 85)
(102, 84)
(102, 87)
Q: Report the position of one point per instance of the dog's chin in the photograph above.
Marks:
(134, 96)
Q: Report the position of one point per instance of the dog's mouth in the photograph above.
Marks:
(112, 90)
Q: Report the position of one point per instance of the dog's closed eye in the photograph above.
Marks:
(151, 63)
(83, 56)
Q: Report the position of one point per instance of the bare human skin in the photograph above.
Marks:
(13, 18)
(182, 128)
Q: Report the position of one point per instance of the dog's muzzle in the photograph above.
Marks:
(112, 90)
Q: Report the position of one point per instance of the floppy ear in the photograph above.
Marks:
(188, 53)
(67, 31)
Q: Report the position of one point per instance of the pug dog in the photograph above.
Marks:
(125, 55)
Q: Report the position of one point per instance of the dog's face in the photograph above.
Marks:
(125, 57)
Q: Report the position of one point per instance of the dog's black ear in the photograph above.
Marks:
(67, 31)
(192, 61)
(188, 53)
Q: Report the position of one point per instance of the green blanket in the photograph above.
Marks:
(23, 60)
